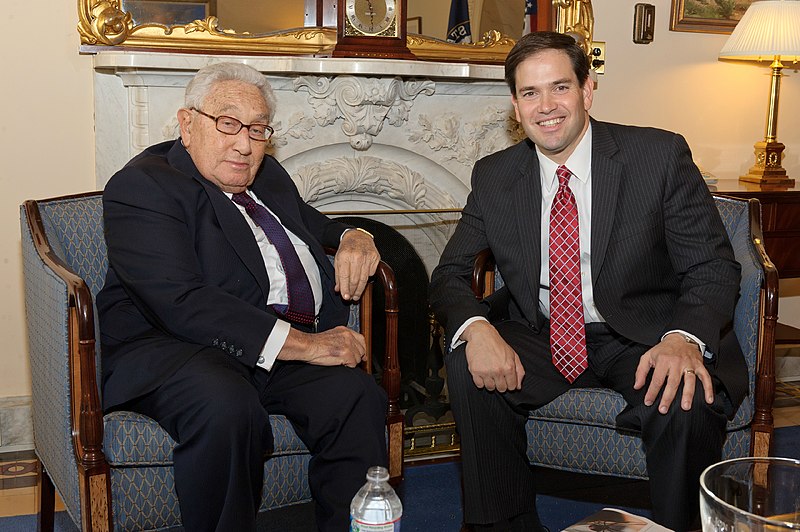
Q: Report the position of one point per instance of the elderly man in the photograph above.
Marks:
(220, 308)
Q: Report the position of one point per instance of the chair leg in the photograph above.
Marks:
(46, 502)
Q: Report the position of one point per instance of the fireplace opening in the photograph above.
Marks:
(414, 331)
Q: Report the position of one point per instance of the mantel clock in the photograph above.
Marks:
(372, 28)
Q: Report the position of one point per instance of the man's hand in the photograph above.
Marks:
(336, 347)
(673, 359)
(356, 259)
(491, 361)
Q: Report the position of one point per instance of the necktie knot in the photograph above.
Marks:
(563, 174)
(243, 199)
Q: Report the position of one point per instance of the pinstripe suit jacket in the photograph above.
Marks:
(660, 257)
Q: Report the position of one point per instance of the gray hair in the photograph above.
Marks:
(200, 86)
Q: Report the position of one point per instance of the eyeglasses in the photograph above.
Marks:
(232, 126)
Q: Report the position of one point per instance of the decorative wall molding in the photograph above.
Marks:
(298, 127)
(139, 118)
(373, 176)
(467, 139)
(364, 103)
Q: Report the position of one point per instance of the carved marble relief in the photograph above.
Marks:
(369, 175)
(363, 103)
(467, 140)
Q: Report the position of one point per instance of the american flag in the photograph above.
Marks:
(458, 28)
(530, 17)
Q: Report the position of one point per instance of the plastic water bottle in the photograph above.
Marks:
(376, 507)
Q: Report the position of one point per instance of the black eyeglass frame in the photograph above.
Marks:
(268, 130)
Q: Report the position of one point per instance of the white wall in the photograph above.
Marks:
(46, 141)
(47, 146)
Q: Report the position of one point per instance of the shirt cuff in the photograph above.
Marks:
(274, 344)
(457, 341)
(700, 344)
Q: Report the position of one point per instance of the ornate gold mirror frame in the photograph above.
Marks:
(102, 23)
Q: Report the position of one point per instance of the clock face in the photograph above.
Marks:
(371, 17)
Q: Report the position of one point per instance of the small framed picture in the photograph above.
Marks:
(414, 25)
(707, 16)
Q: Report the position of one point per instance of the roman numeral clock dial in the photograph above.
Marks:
(372, 28)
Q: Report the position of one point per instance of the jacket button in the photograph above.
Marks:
(215, 343)
(231, 349)
(224, 345)
(238, 353)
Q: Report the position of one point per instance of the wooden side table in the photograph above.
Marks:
(780, 223)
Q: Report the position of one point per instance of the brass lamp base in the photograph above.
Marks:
(768, 169)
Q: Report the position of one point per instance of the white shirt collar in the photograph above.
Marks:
(579, 163)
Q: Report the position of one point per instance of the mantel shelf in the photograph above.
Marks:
(123, 60)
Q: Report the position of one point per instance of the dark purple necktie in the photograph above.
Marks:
(301, 299)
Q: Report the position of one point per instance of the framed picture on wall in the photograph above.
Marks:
(414, 25)
(169, 13)
(707, 16)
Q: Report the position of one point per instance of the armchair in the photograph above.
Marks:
(114, 472)
(585, 418)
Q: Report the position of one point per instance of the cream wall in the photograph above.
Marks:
(46, 141)
(676, 83)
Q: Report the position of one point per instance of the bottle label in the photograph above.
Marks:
(358, 526)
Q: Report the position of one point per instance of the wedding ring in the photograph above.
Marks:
(689, 370)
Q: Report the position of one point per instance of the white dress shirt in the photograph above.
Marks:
(277, 281)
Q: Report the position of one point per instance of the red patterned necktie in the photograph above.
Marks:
(301, 299)
(567, 329)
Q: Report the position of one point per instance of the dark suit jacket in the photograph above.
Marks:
(661, 259)
(185, 272)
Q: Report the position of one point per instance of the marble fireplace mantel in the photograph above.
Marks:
(353, 134)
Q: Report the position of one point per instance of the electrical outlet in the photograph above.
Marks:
(597, 59)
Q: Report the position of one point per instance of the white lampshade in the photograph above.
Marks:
(768, 28)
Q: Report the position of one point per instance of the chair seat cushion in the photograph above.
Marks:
(598, 407)
(133, 439)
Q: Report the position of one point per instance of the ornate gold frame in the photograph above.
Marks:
(102, 23)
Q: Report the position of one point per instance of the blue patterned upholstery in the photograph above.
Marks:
(577, 431)
(137, 449)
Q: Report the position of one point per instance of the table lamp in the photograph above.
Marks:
(768, 31)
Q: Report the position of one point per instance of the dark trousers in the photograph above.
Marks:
(216, 409)
(498, 480)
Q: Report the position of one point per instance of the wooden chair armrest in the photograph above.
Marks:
(763, 422)
(390, 379)
(87, 412)
(483, 274)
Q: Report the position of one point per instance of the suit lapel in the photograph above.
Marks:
(233, 225)
(527, 194)
(606, 179)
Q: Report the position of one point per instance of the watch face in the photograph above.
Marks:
(371, 17)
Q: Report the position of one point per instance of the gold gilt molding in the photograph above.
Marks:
(492, 48)
(102, 23)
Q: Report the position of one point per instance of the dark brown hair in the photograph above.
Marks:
(539, 41)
